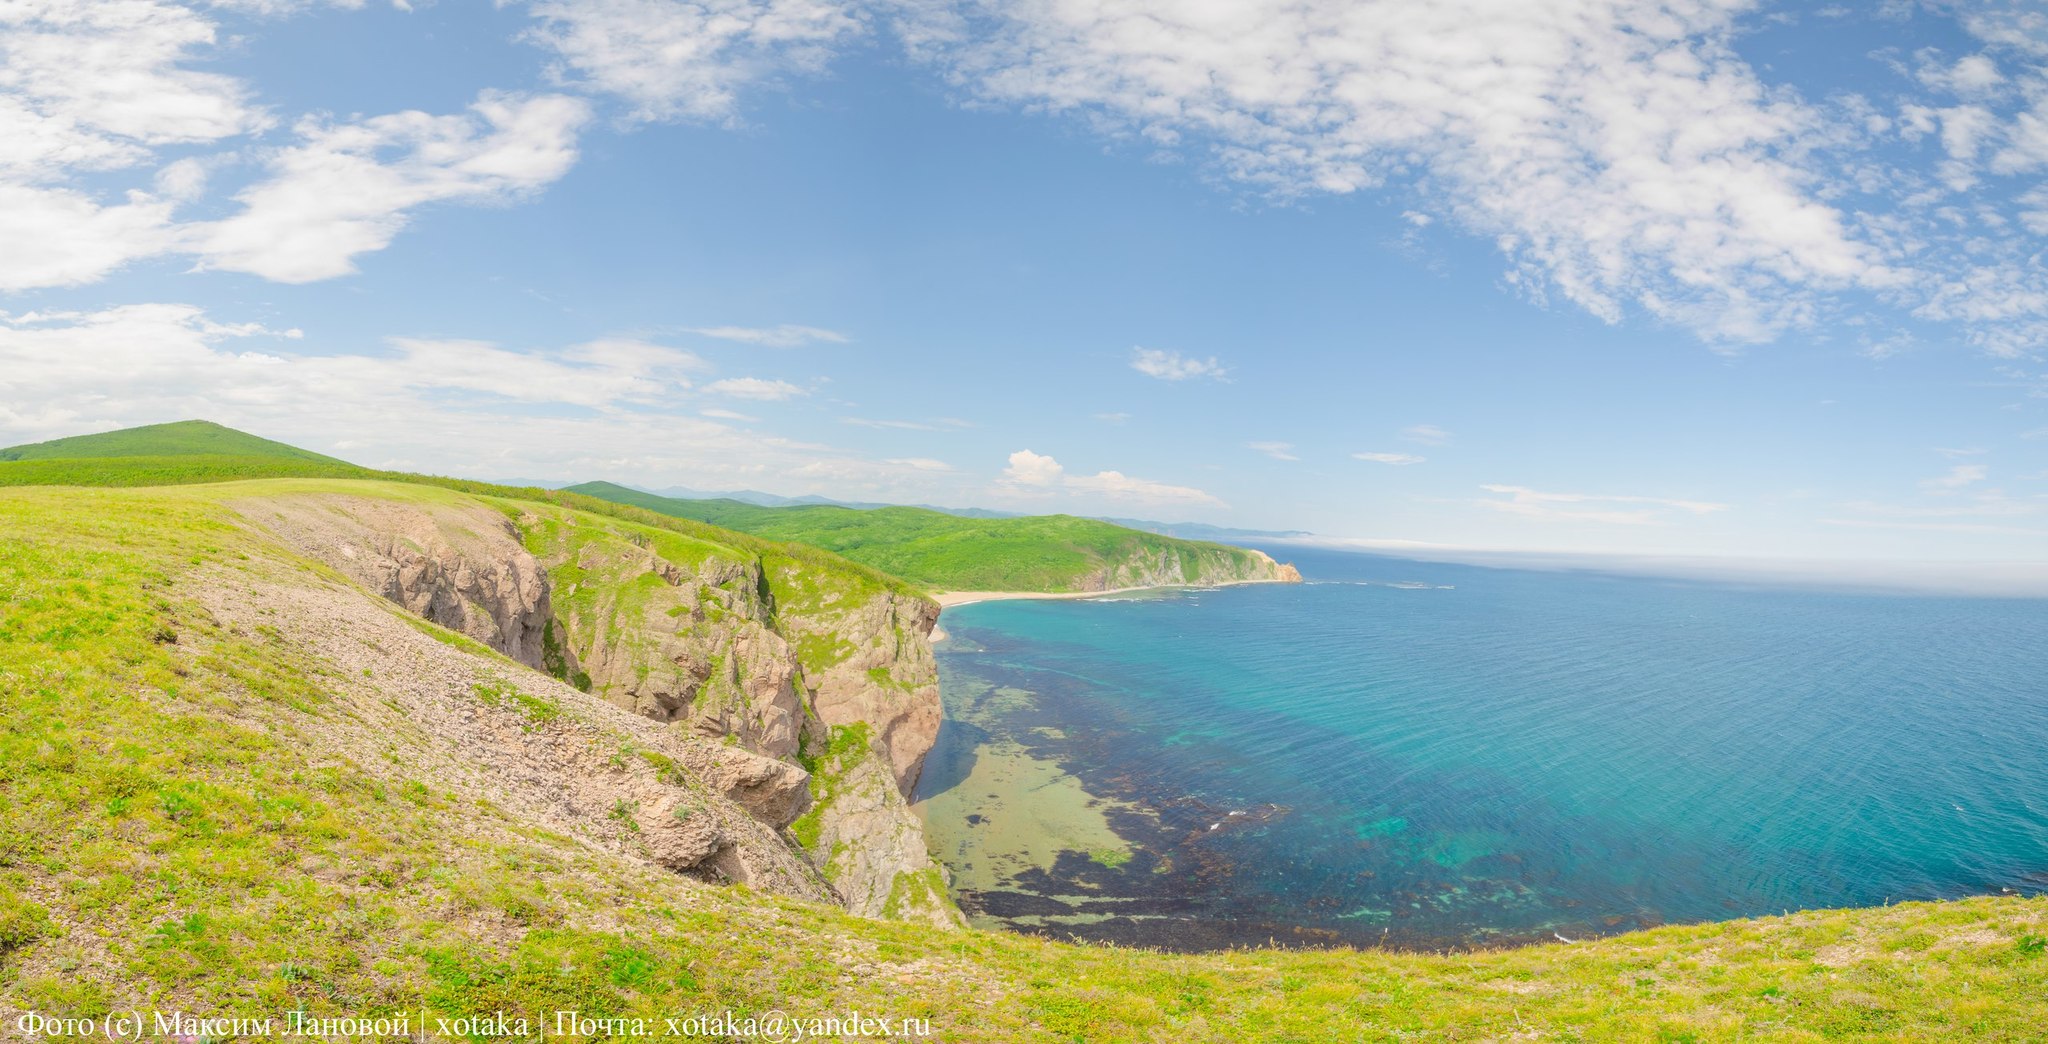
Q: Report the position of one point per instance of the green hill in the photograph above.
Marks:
(177, 439)
(1050, 553)
(163, 455)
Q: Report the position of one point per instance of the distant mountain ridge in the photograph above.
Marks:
(1183, 530)
(760, 499)
(945, 552)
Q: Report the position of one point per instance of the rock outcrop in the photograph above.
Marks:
(888, 678)
(868, 843)
(443, 722)
(1205, 566)
(459, 565)
(750, 661)
(674, 629)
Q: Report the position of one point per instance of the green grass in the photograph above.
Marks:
(949, 553)
(163, 470)
(177, 439)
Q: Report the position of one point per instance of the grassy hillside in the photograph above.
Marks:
(171, 469)
(178, 439)
(951, 553)
(173, 834)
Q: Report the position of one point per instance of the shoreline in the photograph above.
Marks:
(950, 599)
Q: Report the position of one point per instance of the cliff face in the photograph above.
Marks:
(769, 654)
(866, 841)
(1192, 566)
(748, 664)
(675, 629)
(462, 569)
(488, 728)
(868, 660)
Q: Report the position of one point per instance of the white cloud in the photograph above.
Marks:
(940, 424)
(96, 86)
(2018, 26)
(731, 415)
(754, 388)
(597, 375)
(1117, 485)
(58, 237)
(1033, 469)
(1618, 152)
(1958, 476)
(1173, 366)
(91, 88)
(1035, 475)
(784, 336)
(901, 425)
(101, 89)
(156, 359)
(1400, 459)
(610, 408)
(1593, 507)
(1275, 450)
(1970, 75)
(336, 195)
(688, 59)
(920, 463)
(1427, 434)
(1113, 418)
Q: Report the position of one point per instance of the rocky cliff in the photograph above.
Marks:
(1192, 566)
(751, 659)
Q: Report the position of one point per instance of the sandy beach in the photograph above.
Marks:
(949, 599)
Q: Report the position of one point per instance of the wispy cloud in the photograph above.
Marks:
(1935, 527)
(1173, 366)
(1275, 450)
(1119, 418)
(1035, 474)
(1593, 507)
(1984, 504)
(1426, 434)
(1958, 477)
(939, 424)
(689, 60)
(920, 463)
(1626, 158)
(347, 188)
(618, 407)
(784, 336)
(1398, 459)
(754, 388)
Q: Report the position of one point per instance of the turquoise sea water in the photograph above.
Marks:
(1434, 755)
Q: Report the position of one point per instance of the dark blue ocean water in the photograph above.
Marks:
(1482, 755)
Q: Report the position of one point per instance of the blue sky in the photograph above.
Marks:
(1702, 278)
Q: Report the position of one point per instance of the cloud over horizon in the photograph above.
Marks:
(1593, 507)
(1035, 475)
